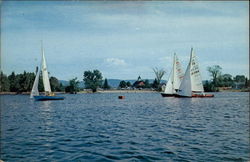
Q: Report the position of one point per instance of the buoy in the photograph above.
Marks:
(121, 97)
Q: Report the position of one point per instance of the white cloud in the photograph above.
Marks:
(115, 62)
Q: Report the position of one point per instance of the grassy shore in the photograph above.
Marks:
(102, 91)
(127, 91)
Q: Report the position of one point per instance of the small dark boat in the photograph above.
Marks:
(45, 98)
(121, 97)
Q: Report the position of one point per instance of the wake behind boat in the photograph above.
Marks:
(191, 85)
(174, 80)
(49, 95)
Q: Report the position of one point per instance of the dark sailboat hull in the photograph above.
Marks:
(167, 95)
(46, 98)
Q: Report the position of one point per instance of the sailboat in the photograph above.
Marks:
(174, 80)
(191, 85)
(49, 95)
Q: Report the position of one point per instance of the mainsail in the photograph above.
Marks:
(34, 91)
(45, 74)
(178, 73)
(169, 87)
(196, 81)
(185, 87)
(175, 78)
(192, 81)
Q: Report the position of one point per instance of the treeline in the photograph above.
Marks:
(224, 81)
(93, 80)
(140, 84)
(23, 83)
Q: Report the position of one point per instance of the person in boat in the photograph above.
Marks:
(49, 93)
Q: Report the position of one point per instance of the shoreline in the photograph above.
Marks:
(119, 91)
(83, 92)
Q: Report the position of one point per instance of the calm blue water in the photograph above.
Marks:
(142, 127)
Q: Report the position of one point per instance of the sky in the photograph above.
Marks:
(124, 39)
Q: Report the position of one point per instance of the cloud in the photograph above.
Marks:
(115, 62)
(123, 39)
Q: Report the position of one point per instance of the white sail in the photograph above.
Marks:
(185, 87)
(178, 73)
(175, 77)
(45, 74)
(196, 80)
(169, 87)
(34, 91)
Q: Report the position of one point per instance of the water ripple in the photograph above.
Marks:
(143, 127)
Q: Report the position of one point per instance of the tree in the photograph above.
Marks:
(4, 83)
(123, 84)
(226, 80)
(25, 81)
(128, 84)
(146, 82)
(73, 86)
(55, 84)
(155, 84)
(215, 72)
(247, 83)
(105, 84)
(239, 78)
(92, 80)
(13, 82)
(158, 76)
(40, 83)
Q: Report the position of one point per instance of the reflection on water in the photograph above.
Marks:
(46, 104)
(142, 127)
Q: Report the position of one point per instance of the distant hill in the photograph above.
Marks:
(66, 83)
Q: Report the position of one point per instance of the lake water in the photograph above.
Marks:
(141, 127)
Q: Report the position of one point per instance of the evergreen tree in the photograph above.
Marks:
(155, 84)
(4, 83)
(26, 81)
(123, 84)
(128, 84)
(147, 85)
(246, 82)
(106, 85)
(13, 82)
